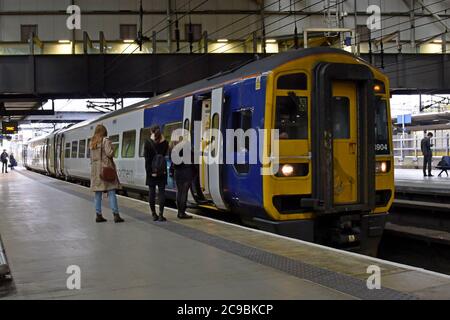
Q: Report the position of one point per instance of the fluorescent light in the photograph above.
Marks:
(437, 41)
(64, 41)
(222, 40)
(271, 41)
(128, 41)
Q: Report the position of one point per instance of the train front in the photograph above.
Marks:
(333, 179)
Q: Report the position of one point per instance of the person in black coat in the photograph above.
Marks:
(184, 172)
(4, 160)
(426, 145)
(155, 145)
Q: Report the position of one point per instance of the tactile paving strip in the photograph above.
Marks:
(337, 281)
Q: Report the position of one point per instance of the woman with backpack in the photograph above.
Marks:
(103, 173)
(155, 151)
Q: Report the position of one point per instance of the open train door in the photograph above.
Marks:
(188, 126)
(215, 149)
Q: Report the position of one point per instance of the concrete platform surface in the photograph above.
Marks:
(47, 225)
(413, 180)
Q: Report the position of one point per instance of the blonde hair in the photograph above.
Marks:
(99, 134)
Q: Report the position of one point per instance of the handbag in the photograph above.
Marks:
(107, 174)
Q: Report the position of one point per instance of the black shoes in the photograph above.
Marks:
(184, 216)
(117, 218)
(100, 219)
(161, 218)
(155, 217)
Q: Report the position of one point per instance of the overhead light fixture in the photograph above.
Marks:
(271, 41)
(128, 41)
(222, 40)
(437, 41)
(64, 41)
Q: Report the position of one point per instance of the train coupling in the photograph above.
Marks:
(347, 231)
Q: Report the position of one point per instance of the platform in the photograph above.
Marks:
(412, 180)
(47, 225)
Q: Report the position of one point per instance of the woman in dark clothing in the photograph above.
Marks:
(184, 175)
(155, 150)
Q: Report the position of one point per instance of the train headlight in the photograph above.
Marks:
(287, 170)
(382, 166)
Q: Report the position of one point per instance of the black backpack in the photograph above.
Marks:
(4, 157)
(159, 167)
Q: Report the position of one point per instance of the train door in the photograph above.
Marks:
(188, 125)
(215, 152)
(345, 166)
(205, 138)
(57, 154)
(343, 139)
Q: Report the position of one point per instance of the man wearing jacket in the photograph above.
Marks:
(4, 160)
(426, 145)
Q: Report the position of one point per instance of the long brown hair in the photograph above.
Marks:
(99, 134)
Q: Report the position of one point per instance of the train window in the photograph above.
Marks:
(242, 120)
(144, 136)
(88, 150)
(341, 118)
(170, 128)
(128, 144)
(214, 138)
(74, 149)
(82, 149)
(292, 117)
(67, 151)
(294, 81)
(381, 128)
(115, 144)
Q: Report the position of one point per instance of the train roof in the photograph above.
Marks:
(256, 66)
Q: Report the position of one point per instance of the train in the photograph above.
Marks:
(330, 163)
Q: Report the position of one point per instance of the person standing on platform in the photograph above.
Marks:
(155, 151)
(426, 145)
(184, 172)
(4, 160)
(104, 177)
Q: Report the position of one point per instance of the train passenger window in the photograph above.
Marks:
(74, 149)
(88, 150)
(144, 136)
(115, 144)
(294, 81)
(67, 151)
(381, 128)
(82, 149)
(128, 144)
(214, 138)
(341, 118)
(292, 117)
(170, 128)
(242, 120)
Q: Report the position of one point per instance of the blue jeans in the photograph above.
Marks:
(112, 201)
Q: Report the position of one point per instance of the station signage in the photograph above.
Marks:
(10, 127)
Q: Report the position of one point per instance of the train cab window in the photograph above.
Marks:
(74, 149)
(293, 81)
(115, 144)
(88, 150)
(82, 149)
(144, 136)
(381, 128)
(128, 144)
(67, 151)
(292, 117)
(341, 118)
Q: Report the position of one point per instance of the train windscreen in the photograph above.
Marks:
(381, 129)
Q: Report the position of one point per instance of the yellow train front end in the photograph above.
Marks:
(333, 177)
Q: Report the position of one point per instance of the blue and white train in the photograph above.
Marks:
(335, 180)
